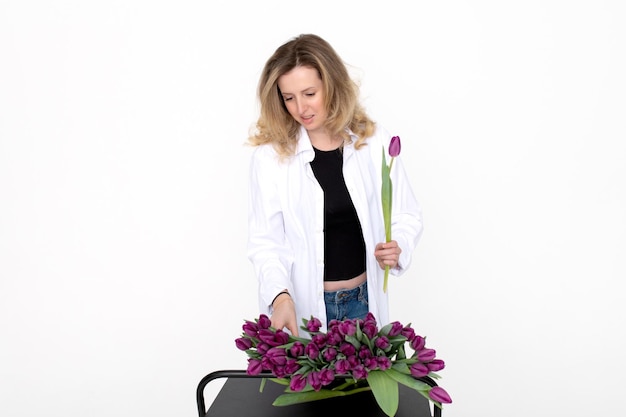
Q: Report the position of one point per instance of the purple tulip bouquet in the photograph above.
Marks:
(387, 191)
(351, 357)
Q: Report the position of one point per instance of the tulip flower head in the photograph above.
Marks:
(386, 193)
(394, 146)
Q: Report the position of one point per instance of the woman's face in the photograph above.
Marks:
(303, 94)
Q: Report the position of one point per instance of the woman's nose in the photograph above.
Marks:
(300, 106)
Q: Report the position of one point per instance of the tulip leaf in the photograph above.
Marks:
(407, 380)
(385, 390)
(401, 367)
(353, 341)
(359, 332)
(281, 381)
(386, 192)
(386, 197)
(401, 352)
(345, 385)
(290, 398)
(386, 329)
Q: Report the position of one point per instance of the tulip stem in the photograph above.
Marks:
(386, 278)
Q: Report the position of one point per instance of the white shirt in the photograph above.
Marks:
(286, 222)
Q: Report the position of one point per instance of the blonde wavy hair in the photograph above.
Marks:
(341, 96)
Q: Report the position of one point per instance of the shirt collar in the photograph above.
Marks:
(304, 144)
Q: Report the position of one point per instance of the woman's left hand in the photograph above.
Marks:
(387, 253)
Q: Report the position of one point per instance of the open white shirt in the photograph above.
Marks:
(286, 222)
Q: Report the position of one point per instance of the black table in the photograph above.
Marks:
(240, 397)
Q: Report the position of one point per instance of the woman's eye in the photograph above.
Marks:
(286, 98)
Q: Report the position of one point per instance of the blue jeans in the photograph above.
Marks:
(347, 304)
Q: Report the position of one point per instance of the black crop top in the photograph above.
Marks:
(344, 247)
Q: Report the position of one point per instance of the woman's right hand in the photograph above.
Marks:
(284, 314)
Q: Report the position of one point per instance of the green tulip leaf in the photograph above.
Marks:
(407, 380)
(385, 391)
(291, 398)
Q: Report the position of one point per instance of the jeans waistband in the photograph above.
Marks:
(345, 295)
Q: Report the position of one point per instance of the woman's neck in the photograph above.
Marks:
(325, 142)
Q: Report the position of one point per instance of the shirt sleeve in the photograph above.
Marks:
(268, 249)
(406, 216)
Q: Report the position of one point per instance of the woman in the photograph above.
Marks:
(316, 229)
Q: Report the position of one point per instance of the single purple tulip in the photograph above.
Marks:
(409, 333)
(277, 356)
(314, 380)
(365, 352)
(342, 366)
(359, 372)
(279, 371)
(333, 324)
(313, 325)
(347, 349)
(394, 146)
(418, 343)
(264, 322)
(382, 343)
(292, 366)
(384, 363)
(354, 361)
(297, 349)
(327, 376)
(426, 355)
(371, 364)
(262, 348)
(243, 343)
(297, 383)
(396, 329)
(370, 329)
(436, 365)
(266, 364)
(269, 337)
(312, 351)
(254, 367)
(439, 395)
(419, 370)
(333, 337)
(347, 328)
(251, 329)
(369, 318)
(281, 337)
(319, 339)
(329, 354)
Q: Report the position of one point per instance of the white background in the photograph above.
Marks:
(123, 276)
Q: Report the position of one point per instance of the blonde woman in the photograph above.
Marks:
(316, 229)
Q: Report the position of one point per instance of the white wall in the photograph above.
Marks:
(123, 276)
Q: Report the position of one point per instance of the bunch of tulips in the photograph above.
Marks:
(351, 356)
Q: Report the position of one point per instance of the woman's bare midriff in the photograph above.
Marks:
(346, 284)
